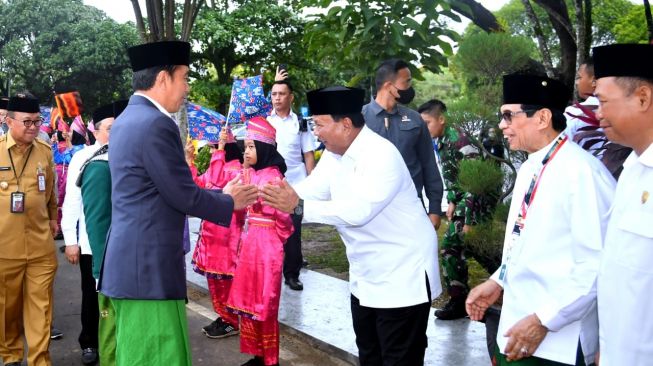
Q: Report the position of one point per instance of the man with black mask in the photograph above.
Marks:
(405, 128)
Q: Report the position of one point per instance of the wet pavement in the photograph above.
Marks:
(321, 315)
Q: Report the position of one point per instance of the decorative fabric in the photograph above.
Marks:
(70, 104)
(256, 287)
(219, 291)
(260, 338)
(259, 129)
(248, 100)
(204, 123)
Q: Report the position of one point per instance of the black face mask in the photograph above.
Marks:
(405, 96)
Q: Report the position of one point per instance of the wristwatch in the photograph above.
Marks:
(299, 209)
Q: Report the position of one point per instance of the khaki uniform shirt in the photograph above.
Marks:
(26, 235)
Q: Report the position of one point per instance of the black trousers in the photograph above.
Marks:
(390, 337)
(292, 260)
(88, 338)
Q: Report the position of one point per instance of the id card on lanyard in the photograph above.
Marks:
(17, 203)
(529, 197)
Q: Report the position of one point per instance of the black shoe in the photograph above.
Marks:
(213, 325)
(55, 333)
(256, 361)
(454, 309)
(223, 330)
(294, 284)
(89, 356)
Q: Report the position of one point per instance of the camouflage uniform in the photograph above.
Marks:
(470, 210)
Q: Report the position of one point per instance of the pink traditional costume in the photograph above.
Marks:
(256, 287)
(217, 246)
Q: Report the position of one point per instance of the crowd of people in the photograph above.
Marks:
(577, 244)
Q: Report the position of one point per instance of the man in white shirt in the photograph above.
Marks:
(73, 227)
(296, 144)
(625, 93)
(554, 232)
(362, 186)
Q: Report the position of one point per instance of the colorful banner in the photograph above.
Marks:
(204, 123)
(248, 100)
(70, 104)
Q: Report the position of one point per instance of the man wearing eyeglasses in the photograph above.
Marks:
(28, 221)
(554, 235)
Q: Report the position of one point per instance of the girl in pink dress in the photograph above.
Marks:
(217, 246)
(256, 287)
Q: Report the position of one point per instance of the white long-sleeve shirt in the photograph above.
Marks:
(626, 276)
(555, 261)
(72, 210)
(369, 196)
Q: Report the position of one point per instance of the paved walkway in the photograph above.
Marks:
(321, 313)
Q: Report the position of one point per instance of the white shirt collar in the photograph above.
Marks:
(539, 154)
(290, 115)
(156, 104)
(646, 158)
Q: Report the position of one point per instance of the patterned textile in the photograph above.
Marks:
(260, 338)
(70, 104)
(248, 100)
(204, 123)
(219, 290)
(259, 129)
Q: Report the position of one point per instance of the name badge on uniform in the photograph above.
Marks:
(17, 202)
(40, 178)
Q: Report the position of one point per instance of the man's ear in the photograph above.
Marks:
(644, 94)
(347, 124)
(545, 119)
(162, 78)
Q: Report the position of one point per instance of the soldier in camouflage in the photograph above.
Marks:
(464, 209)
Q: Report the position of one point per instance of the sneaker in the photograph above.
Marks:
(454, 309)
(221, 331)
(55, 333)
(213, 325)
(89, 356)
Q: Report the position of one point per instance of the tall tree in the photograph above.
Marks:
(161, 19)
(63, 45)
(541, 41)
(649, 21)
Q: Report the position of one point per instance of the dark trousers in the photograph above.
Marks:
(292, 260)
(88, 338)
(390, 337)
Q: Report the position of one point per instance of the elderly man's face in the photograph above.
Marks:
(518, 129)
(331, 133)
(176, 88)
(616, 110)
(104, 131)
(21, 133)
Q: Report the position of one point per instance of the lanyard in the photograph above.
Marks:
(11, 159)
(528, 200)
(532, 190)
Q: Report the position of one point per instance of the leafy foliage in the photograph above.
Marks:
(202, 159)
(354, 37)
(479, 177)
(63, 45)
(485, 241)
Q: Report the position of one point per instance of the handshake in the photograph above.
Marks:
(279, 195)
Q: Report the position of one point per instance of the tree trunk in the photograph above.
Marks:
(537, 28)
(478, 14)
(649, 20)
(559, 16)
(169, 29)
(140, 25)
